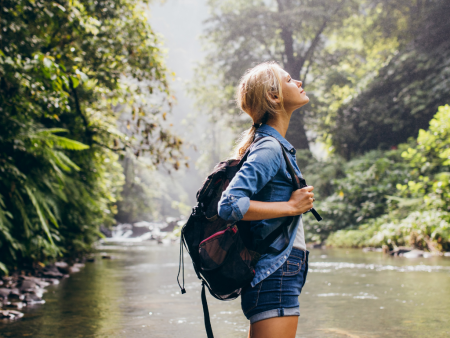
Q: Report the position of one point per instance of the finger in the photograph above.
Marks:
(308, 188)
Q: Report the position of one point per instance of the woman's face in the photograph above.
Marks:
(294, 96)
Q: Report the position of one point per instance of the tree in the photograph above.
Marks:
(240, 34)
(94, 71)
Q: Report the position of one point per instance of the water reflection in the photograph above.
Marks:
(348, 294)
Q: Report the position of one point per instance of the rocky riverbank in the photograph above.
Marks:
(26, 288)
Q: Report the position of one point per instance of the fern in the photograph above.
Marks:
(48, 137)
(40, 214)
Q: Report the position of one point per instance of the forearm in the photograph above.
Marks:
(266, 210)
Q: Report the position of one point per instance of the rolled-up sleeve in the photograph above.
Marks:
(261, 166)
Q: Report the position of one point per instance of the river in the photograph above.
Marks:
(348, 293)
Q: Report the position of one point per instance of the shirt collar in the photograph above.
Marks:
(268, 130)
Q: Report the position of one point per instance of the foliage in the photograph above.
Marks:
(403, 95)
(350, 193)
(94, 71)
(429, 230)
(418, 213)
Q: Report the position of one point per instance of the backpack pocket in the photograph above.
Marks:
(225, 262)
(213, 250)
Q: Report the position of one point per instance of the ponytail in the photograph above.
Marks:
(247, 137)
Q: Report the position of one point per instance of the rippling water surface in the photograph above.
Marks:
(348, 293)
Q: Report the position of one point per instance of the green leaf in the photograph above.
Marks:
(39, 212)
(3, 268)
(67, 143)
(75, 81)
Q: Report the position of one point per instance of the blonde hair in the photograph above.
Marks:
(255, 96)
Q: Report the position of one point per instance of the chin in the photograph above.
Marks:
(304, 101)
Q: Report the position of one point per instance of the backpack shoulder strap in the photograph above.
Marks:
(290, 168)
(247, 152)
(298, 183)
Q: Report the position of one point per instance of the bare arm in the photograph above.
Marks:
(301, 201)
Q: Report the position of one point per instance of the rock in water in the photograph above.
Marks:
(16, 294)
(52, 271)
(63, 267)
(31, 298)
(17, 305)
(10, 314)
(16, 314)
(414, 254)
(4, 293)
(400, 251)
(27, 285)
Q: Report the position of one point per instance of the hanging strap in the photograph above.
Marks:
(181, 264)
(208, 327)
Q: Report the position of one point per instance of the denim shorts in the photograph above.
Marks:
(277, 295)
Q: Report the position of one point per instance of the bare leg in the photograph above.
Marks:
(277, 327)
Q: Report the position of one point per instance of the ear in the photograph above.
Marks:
(275, 97)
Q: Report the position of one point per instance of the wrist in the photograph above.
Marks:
(290, 209)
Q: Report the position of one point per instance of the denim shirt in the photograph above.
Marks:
(263, 177)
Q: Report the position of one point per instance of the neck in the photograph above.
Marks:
(280, 123)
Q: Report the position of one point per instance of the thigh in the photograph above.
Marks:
(277, 327)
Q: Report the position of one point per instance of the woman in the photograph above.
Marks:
(262, 192)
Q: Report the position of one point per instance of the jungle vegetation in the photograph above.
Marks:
(83, 85)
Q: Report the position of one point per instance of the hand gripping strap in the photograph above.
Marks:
(296, 183)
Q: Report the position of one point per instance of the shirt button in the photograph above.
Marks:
(268, 272)
(292, 151)
(285, 257)
(231, 198)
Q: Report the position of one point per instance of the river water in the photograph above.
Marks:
(348, 293)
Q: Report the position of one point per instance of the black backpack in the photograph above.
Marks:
(222, 251)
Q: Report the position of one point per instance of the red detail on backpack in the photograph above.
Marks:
(234, 229)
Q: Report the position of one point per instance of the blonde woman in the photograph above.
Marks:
(262, 192)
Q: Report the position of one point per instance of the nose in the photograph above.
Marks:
(299, 83)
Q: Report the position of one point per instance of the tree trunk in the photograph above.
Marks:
(296, 134)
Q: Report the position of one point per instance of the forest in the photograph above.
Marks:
(85, 103)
